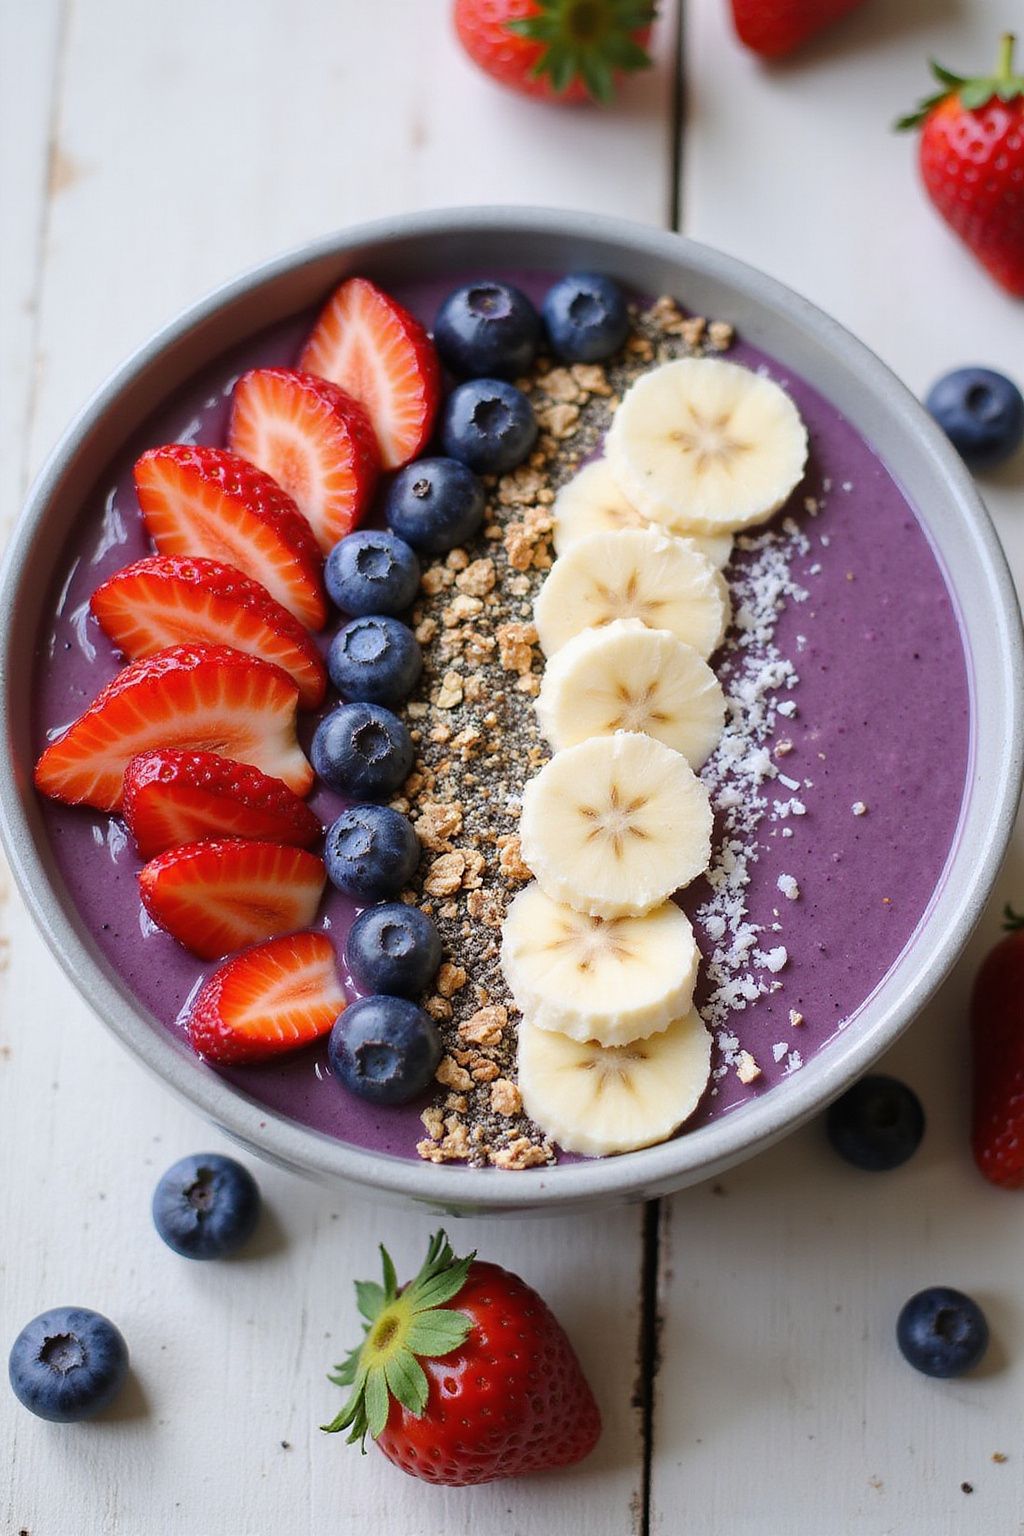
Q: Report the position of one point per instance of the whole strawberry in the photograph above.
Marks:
(972, 162)
(464, 1375)
(997, 1042)
(557, 50)
(773, 28)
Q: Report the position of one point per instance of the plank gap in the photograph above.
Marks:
(648, 1351)
(677, 106)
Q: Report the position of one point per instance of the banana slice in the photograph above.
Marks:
(591, 502)
(638, 573)
(609, 979)
(707, 443)
(626, 677)
(616, 824)
(599, 1099)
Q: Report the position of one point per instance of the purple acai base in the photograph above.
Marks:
(883, 719)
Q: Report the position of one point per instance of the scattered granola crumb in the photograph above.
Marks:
(795, 1018)
(452, 1075)
(445, 874)
(787, 884)
(505, 1097)
(859, 808)
(485, 1026)
(747, 1069)
(451, 979)
(521, 1153)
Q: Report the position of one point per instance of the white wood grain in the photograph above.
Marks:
(189, 146)
(30, 37)
(782, 1403)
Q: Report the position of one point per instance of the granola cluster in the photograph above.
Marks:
(477, 741)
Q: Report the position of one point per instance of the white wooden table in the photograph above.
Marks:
(148, 153)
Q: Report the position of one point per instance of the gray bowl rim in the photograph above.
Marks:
(985, 594)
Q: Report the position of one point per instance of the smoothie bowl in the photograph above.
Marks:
(698, 776)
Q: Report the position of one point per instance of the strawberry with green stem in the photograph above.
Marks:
(557, 50)
(971, 156)
(997, 1041)
(464, 1375)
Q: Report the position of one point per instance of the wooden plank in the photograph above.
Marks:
(783, 1403)
(187, 151)
(30, 38)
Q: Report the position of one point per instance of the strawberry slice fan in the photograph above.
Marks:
(366, 344)
(971, 157)
(315, 440)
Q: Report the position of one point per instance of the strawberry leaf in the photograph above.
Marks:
(437, 1333)
(977, 93)
(370, 1298)
(401, 1326)
(973, 93)
(1013, 921)
(377, 1401)
(586, 43)
(406, 1381)
(390, 1279)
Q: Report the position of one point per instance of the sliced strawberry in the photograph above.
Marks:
(201, 696)
(182, 599)
(173, 797)
(269, 1000)
(316, 442)
(379, 353)
(219, 897)
(206, 501)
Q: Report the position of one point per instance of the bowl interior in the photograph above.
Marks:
(767, 316)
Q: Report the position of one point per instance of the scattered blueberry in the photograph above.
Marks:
(487, 329)
(877, 1124)
(393, 948)
(374, 659)
(68, 1364)
(942, 1332)
(435, 504)
(585, 316)
(384, 1049)
(206, 1206)
(372, 571)
(371, 852)
(488, 425)
(362, 750)
(982, 414)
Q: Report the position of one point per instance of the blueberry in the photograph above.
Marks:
(488, 425)
(982, 414)
(362, 750)
(206, 1206)
(393, 948)
(68, 1364)
(487, 329)
(372, 572)
(435, 504)
(374, 659)
(877, 1124)
(942, 1332)
(585, 317)
(384, 1049)
(371, 852)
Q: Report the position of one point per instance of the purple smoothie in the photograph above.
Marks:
(882, 718)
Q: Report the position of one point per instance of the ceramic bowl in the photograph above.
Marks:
(766, 314)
